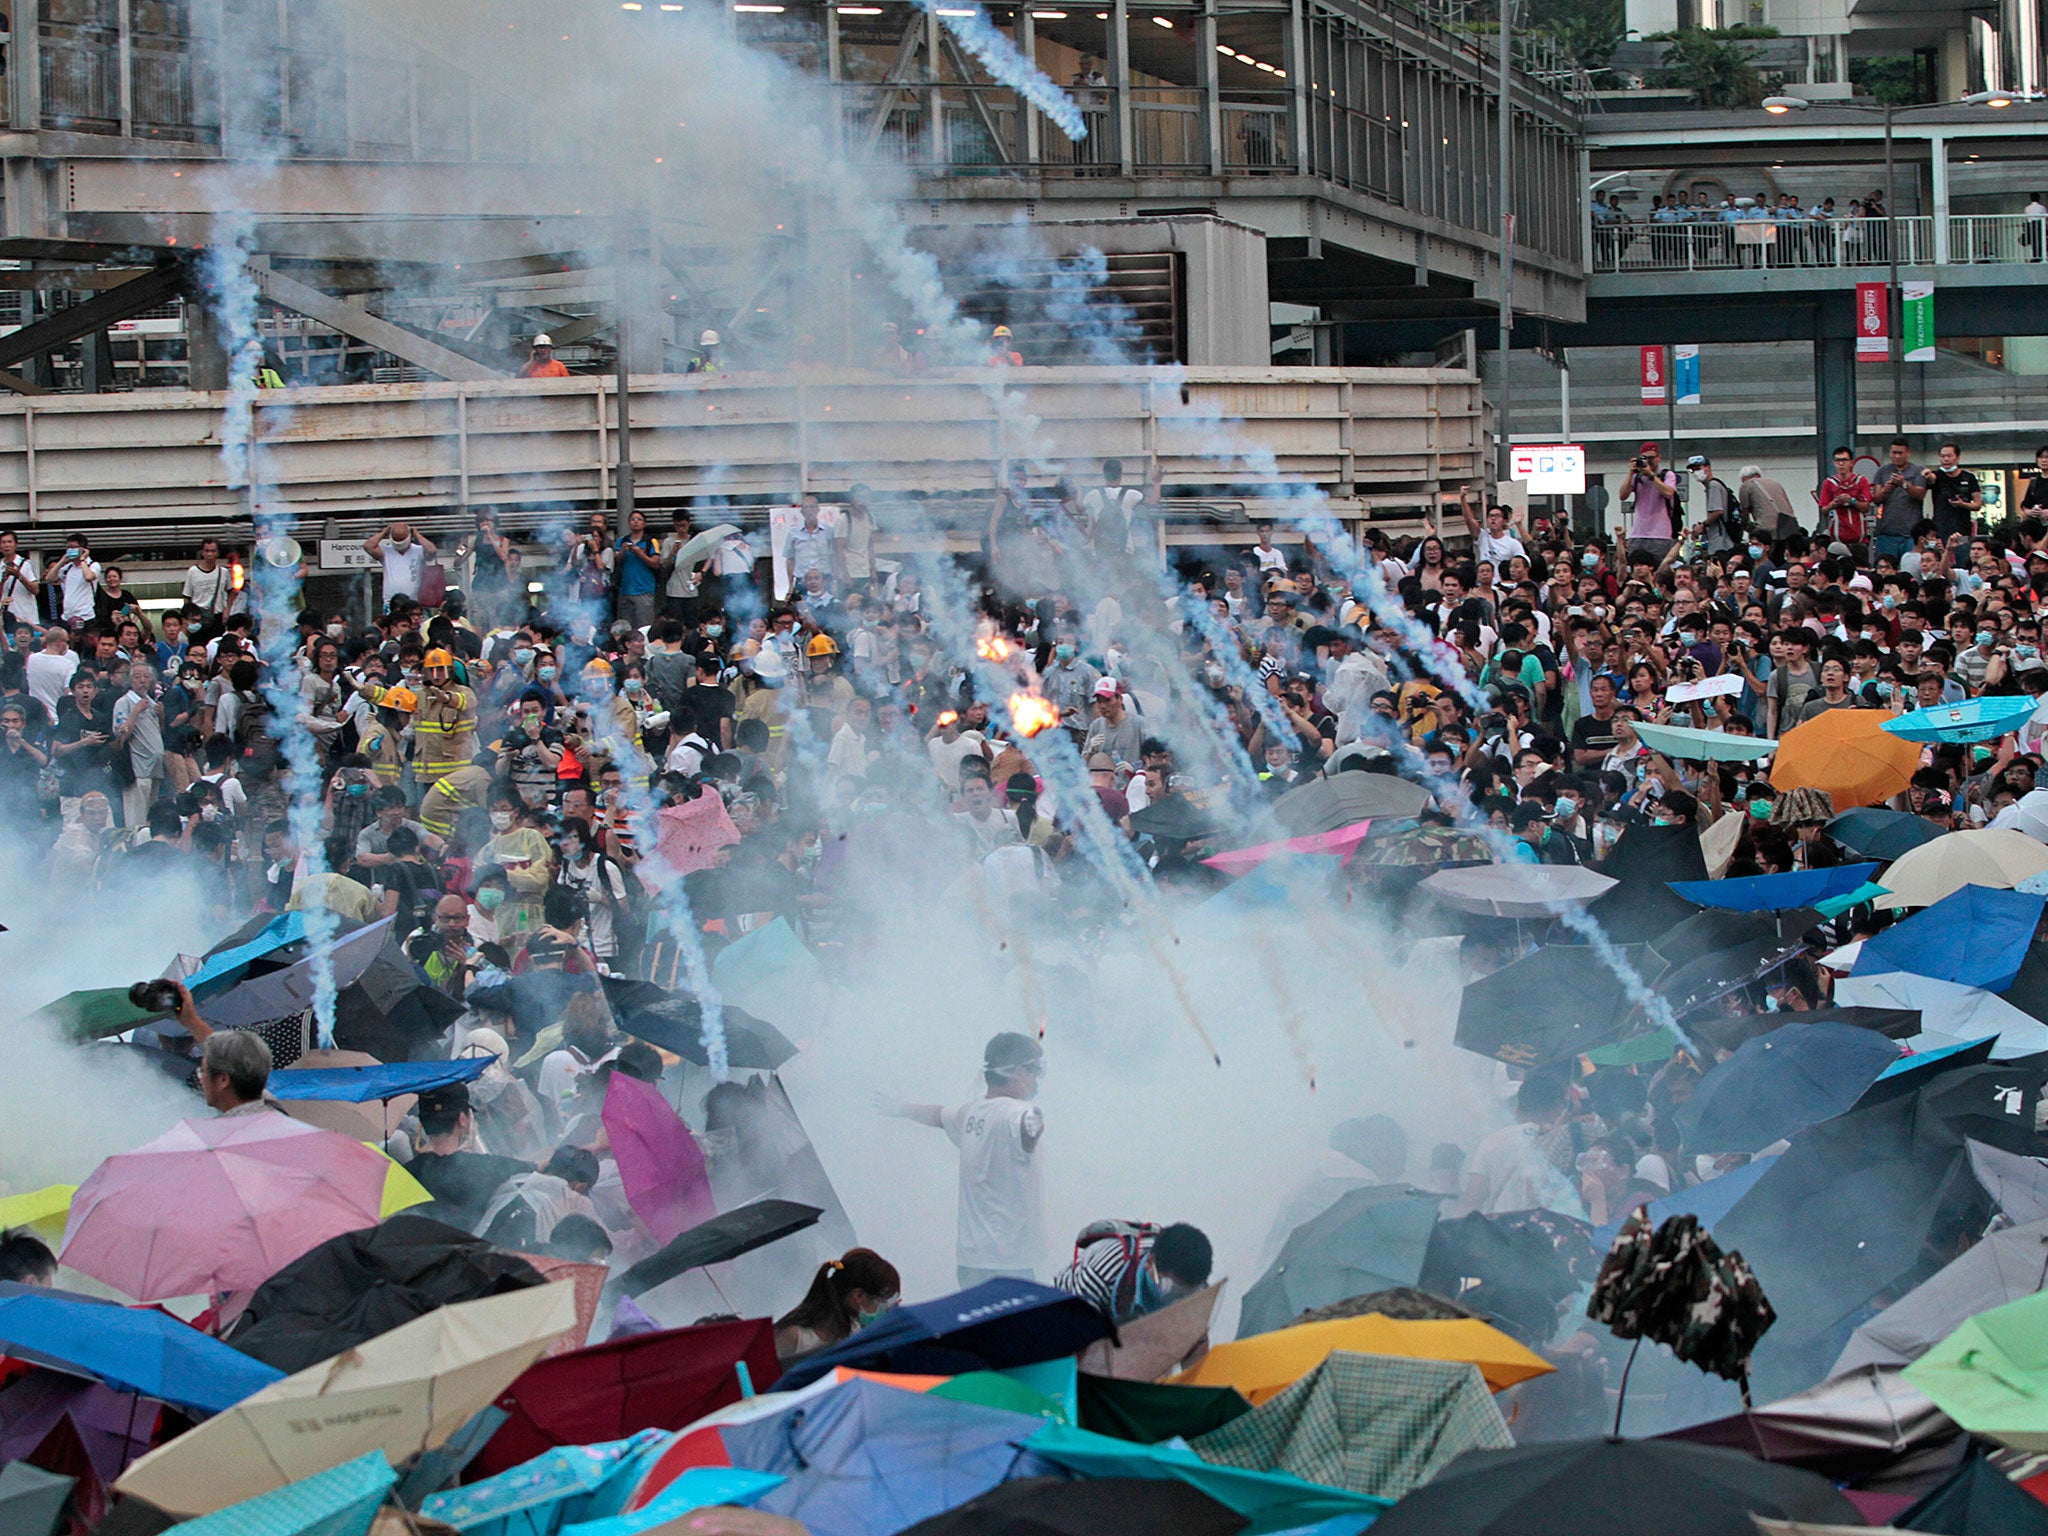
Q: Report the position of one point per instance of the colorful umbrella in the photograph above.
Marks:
(43, 1209)
(1267, 1364)
(130, 1349)
(2003, 1267)
(1977, 937)
(1775, 893)
(220, 1205)
(1684, 743)
(1983, 718)
(399, 1394)
(990, 1326)
(661, 1167)
(557, 1487)
(1991, 1374)
(95, 1013)
(1848, 755)
(1996, 857)
(1240, 861)
(341, 1501)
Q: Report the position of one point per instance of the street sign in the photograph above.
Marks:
(344, 555)
(1551, 469)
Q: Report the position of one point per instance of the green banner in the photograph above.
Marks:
(1918, 329)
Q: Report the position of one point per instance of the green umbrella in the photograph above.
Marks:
(1271, 1501)
(1637, 1051)
(994, 1389)
(1991, 1374)
(95, 1013)
(1676, 741)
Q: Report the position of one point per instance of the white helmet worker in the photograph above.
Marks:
(708, 339)
(543, 340)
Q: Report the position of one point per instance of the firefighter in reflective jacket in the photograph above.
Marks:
(444, 730)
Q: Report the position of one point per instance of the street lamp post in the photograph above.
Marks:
(1504, 454)
(1895, 312)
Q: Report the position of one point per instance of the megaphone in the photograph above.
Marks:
(281, 552)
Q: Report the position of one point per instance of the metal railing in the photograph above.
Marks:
(1976, 239)
(1762, 244)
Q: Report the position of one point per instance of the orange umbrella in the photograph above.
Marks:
(1848, 755)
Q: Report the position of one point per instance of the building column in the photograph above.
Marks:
(1208, 79)
(206, 352)
(1937, 170)
(1119, 62)
(1834, 400)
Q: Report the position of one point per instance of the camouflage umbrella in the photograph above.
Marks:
(1675, 1286)
(1424, 847)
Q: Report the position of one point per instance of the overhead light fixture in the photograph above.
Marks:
(1269, 69)
(671, 7)
(1281, 73)
(1226, 50)
(765, 10)
(1050, 15)
(864, 10)
(632, 5)
(1161, 21)
(944, 12)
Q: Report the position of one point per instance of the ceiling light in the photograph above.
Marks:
(1161, 21)
(944, 12)
(1050, 15)
(1226, 50)
(765, 10)
(1269, 69)
(864, 10)
(632, 5)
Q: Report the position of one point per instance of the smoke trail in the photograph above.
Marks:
(999, 56)
(232, 293)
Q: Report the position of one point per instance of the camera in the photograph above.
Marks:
(1640, 462)
(158, 996)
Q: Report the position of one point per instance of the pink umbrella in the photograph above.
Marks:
(1242, 861)
(220, 1205)
(660, 1163)
(691, 834)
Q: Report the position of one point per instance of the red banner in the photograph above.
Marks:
(1653, 375)
(1873, 322)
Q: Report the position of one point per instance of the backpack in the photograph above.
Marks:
(253, 744)
(1133, 1240)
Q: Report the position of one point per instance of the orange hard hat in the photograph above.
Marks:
(400, 698)
(438, 657)
(822, 645)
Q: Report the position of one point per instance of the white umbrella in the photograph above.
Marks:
(2028, 814)
(1843, 959)
(2000, 859)
(401, 1393)
(701, 544)
(1517, 890)
(1950, 1012)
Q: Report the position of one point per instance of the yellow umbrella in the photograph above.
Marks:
(1268, 1363)
(401, 1190)
(401, 1393)
(1848, 755)
(43, 1209)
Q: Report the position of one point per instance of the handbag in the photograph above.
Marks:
(433, 585)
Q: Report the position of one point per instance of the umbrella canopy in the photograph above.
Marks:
(1424, 847)
(1977, 937)
(663, 1380)
(1708, 979)
(1979, 1500)
(229, 961)
(32, 1500)
(689, 836)
(1242, 861)
(1848, 755)
(1672, 1284)
(1151, 1411)
(1515, 1268)
(1682, 742)
(699, 545)
(1266, 1365)
(1851, 1426)
(1406, 1301)
(2005, 1266)
(130, 1349)
(360, 1085)
(342, 1501)
(1647, 859)
(772, 974)
(1780, 1083)
(1709, 1201)
(220, 1205)
(1862, 896)
(1271, 1501)
(361, 1284)
(675, 1022)
(2028, 814)
(1332, 802)
(1776, 893)
(390, 1010)
(559, 1486)
(1369, 1240)
(1604, 1487)
(723, 1237)
(1949, 1012)
(1179, 818)
(1155, 1344)
(1713, 929)
(1368, 1423)
(44, 1209)
(94, 1014)
(2018, 1186)
(263, 995)
(398, 1394)
(1517, 890)
(1984, 718)
(1996, 857)
(1557, 1002)
(1040, 1506)
(989, 1326)
(1875, 833)
(1991, 1374)
(661, 1167)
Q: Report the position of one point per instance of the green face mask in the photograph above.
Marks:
(1760, 809)
(490, 898)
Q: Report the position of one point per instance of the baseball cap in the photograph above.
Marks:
(1697, 460)
(1106, 688)
(1647, 448)
(1838, 549)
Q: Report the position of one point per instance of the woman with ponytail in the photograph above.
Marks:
(848, 1294)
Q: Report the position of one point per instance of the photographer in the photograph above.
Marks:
(1655, 512)
(234, 1064)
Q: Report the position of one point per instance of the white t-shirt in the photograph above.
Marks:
(1497, 551)
(18, 589)
(212, 590)
(49, 676)
(80, 579)
(403, 568)
(1519, 1176)
(1002, 1214)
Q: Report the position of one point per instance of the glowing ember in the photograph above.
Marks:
(236, 575)
(1031, 714)
(947, 717)
(993, 648)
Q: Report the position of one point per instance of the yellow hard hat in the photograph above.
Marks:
(822, 645)
(438, 657)
(598, 665)
(401, 698)
(1002, 330)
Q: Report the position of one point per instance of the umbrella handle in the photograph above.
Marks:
(1621, 1397)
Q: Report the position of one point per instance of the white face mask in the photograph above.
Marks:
(501, 821)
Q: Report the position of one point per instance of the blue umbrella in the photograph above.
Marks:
(1775, 893)
(1863, 895)
(342, 1501)
(561, 1486)
(991, 1326)
(358, 1085)
(1979, 719)
(1976, 936)
(1709, 1201)
(1880, 834)
(223, 970)
(694, 1488)
(132, 1350)
(1780, 1083)
(864, 1457)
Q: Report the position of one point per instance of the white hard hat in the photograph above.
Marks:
(543, 340)
(708, 339)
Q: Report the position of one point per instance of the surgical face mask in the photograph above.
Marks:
(633, 685)
(522, 655)
(335, 631)
(547, 674)
(1567, 807)
(713, 631)
(1688, 640)
(1756, 551)
(490, 898)
(501, 821)
(357, 789)
(1890, 601)
(1984, 638)
(209, 813)
(1064, 652)
(1760, 810)
(1590, 559)
(1771, 1003)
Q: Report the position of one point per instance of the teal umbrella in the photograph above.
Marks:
(1370, 1240)
(31, 1500)
(341, 1501)
(1980, 719)
(1679, 741)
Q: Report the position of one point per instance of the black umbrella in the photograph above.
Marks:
(1732, 1031)
(532, 1001)
(390, 1011)
(1613, 1488)
(1710, 978)
(1871, 832)
(1369, 1240)
(722, 1237)
(1979, 1500)
(1516, 1268)
(361, 1284)
(1558, 1002)
(2029, 989)
(1712, 929)
(1099, 1506)
(1645, 859)
(1177, 819)
(675, 1022)
(1332, 802)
